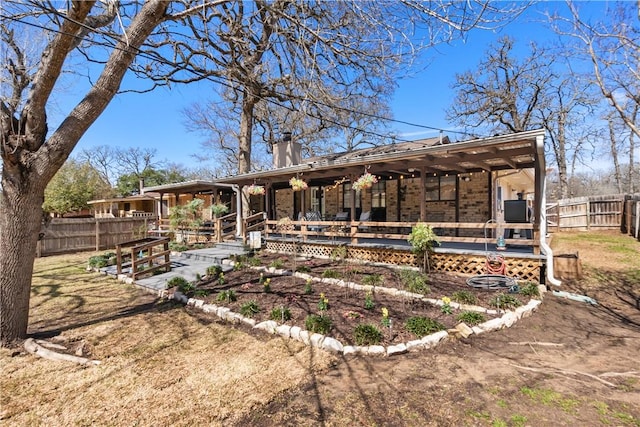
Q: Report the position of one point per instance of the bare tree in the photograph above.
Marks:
(612, 47)
(103, 159)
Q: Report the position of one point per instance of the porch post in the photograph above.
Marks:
(267, 199)
(353, 229)
(423, 200)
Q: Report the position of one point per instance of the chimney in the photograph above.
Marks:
(141, 185)
(286, 152)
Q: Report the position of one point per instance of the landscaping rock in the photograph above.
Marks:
(316, 340)
(305, 337)
(332, 345)
(396, 349)
(349, 349)
(464, 330)
(284, 331)
(249, 321)
(492, 325)
(268, 325)
(432, 340)
(375, 350)
(415, 345)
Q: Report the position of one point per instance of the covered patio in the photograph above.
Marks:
(476, 194)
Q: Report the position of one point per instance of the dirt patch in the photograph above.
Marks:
(270, 295)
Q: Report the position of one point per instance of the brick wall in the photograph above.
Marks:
(473, 201)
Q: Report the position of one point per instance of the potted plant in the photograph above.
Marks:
(365, 181)
(298, 184)
(256, 190)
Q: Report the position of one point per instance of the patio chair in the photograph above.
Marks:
(314, 216)
(364, 216)
(342, 216)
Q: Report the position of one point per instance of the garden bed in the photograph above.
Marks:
(324, 299)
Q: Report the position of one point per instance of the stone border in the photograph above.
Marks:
(508, 319)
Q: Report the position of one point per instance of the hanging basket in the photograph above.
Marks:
(298, 184)
(365, 181)
(256, 190)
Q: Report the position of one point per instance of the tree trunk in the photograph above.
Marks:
(614, 156)
(249, 101)
(20, 223)
(561, 158)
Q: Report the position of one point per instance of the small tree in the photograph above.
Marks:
(422, 240)
(219, 209)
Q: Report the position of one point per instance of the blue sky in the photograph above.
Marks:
(156, 120)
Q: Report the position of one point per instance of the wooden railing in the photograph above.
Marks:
(144, 256)
(446, 231)
(219, 229)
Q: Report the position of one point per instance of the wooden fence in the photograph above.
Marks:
(65, 235)
(613, 212)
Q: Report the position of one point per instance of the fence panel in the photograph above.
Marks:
(64, 235)
(584, 213)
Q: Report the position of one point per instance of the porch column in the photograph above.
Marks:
(353, 229)
(267, 200)
(423, 200)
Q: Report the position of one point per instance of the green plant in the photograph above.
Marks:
(308, 289)
(249, 309)
(446, 306)
(320, 324)
(276, 263)
(330, 273)
(372, 280)
(505, 301)
(415, 281)
(221, 279)
(323, 304)
(266, 285)
(281, 314)
(226, 295)
(386, 321)
(98, 261)
(177, 247)
(237, 266)
(366, 334)
(254, 261)
(530, 289)
(421, 326)
(422, 239)
(177, 281)
(201, 293)
(213, 271)
(471, 317)
(303, 269)
(198, 277)
(338, 253)
(464, 297)
(219, 209)
(369, 304)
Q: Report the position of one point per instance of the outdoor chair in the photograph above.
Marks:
(364, 216)
(314, 216)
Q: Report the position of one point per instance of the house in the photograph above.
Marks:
(143, 205)
(472, 192)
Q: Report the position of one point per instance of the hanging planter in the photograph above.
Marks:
(365, 181)
(256, 190)
(298, 184)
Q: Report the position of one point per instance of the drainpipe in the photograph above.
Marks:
(543, 224)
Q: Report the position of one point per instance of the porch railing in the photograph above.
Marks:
(400, 231)
(255, 222)
(217, 230)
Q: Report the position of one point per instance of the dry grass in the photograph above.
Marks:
(161, 364)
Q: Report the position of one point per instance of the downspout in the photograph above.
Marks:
(543, 216)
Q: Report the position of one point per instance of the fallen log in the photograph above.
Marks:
(34, 348)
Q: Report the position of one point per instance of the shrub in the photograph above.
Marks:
(505, 301)
(330, 273)
(530, 289)
(281, 314)
(421, 326)
(372, 280)
(471, 317)
(177, 247)
(228, 295)
(303, 269)
(238, 265)
(201, 293)
(213, 271)
(276, 263)
(249, 309)
(308, 289)
(415, 281)
(366, 334)
(177, 281)
(98, 261)
(464, 297)
(369, 304)
(320, 324)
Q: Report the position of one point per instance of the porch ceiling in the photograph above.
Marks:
(515, 151)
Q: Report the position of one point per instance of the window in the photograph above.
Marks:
(346, 197)
(379, 195)
(440, 188)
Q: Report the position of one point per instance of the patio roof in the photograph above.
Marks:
(433, 156)
(186, 187)
(146, 196)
